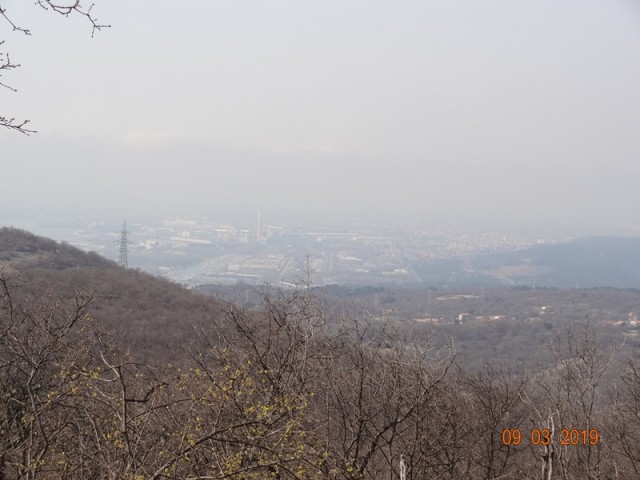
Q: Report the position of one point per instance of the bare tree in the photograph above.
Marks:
(569, 405)
(376, 391)
(66, 9)
(42, 367)
(495, 395)
(624, 426)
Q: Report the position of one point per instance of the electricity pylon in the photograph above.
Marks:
(124, 250)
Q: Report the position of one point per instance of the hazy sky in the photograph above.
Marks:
(481, 112)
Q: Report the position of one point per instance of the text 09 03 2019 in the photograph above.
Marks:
(542, 436)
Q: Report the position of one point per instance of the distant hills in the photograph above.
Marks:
(153, 318)
(581, 263)
(145, 314)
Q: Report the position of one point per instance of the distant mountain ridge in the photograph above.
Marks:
(582, 263)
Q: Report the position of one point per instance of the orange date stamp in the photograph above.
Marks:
(542, 437)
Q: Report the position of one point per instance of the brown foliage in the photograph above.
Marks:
(292, 389)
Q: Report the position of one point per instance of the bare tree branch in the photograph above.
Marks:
(13, 25)
(73, 7)
(62, 8)
(12, 124)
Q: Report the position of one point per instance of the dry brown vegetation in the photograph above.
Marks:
(289, 389)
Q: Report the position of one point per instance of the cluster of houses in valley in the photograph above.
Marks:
(545, 312)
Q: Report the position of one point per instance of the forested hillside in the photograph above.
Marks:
(112, 374)
(144, 314)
